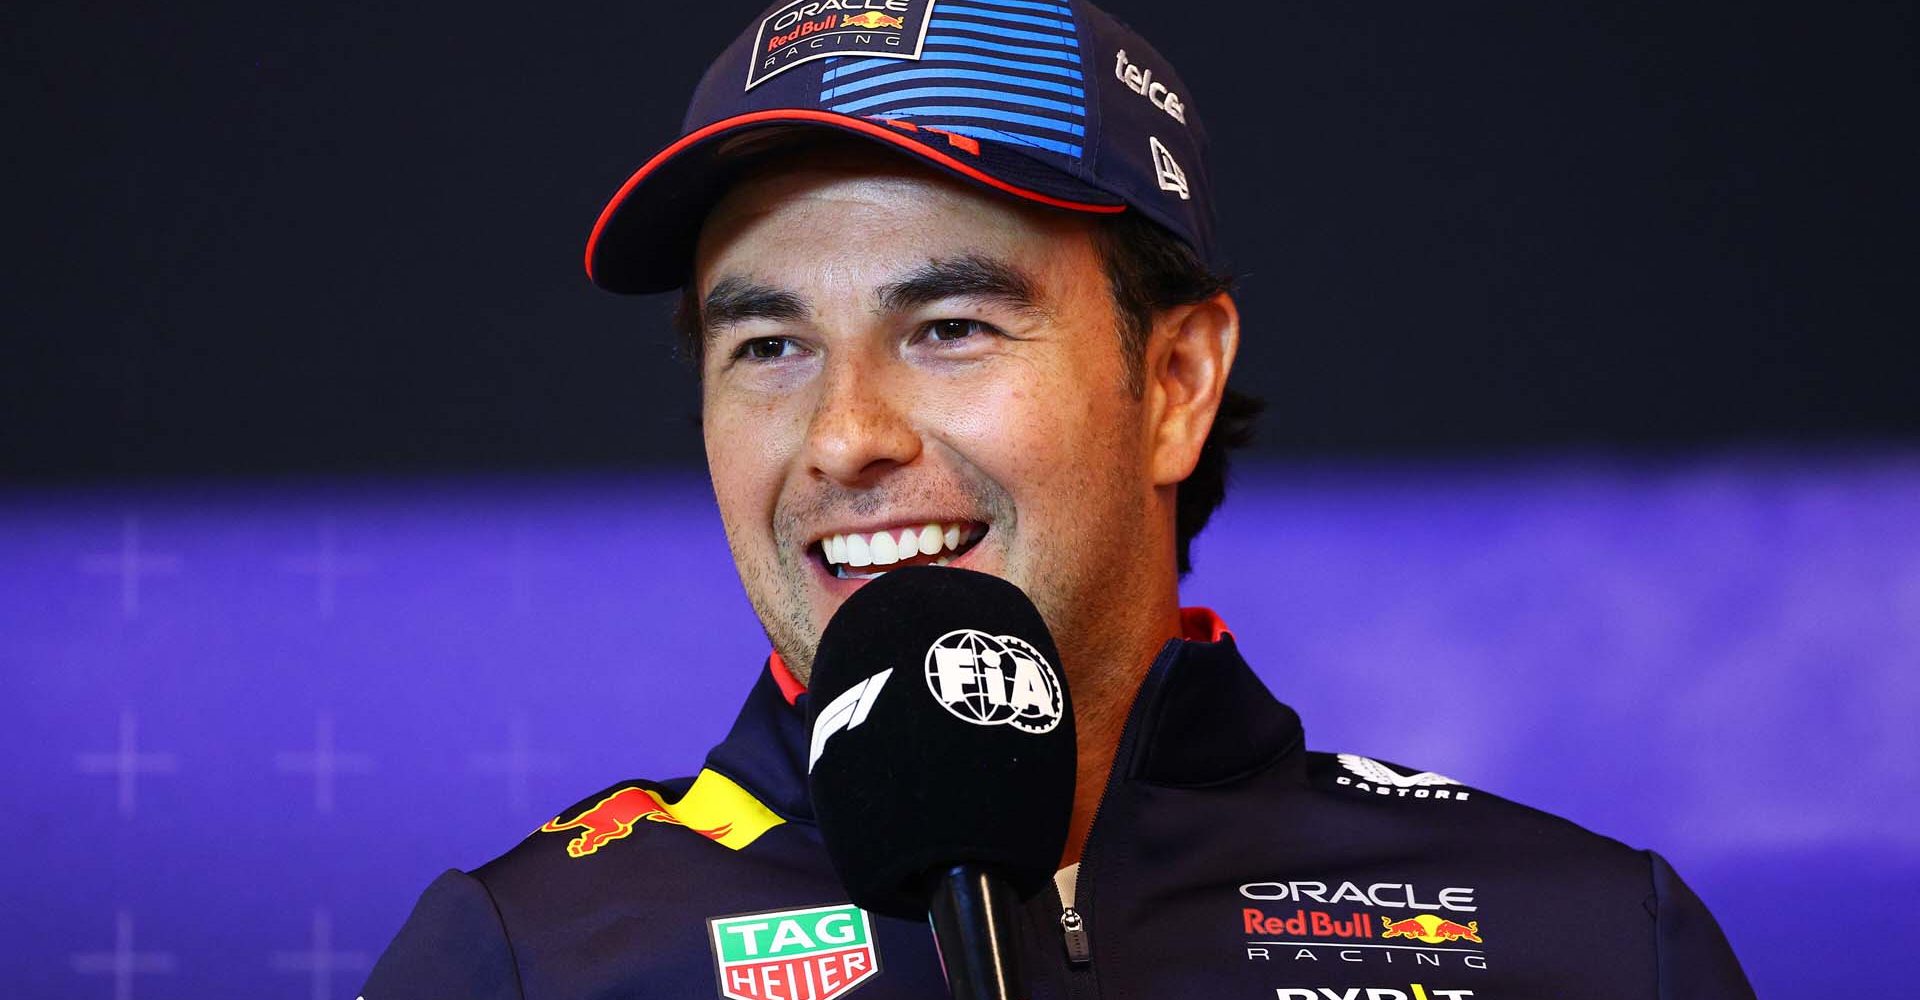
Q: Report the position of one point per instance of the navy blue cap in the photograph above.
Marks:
(1050, 101)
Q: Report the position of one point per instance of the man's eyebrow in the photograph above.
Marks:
(735, 299)
(970, 277)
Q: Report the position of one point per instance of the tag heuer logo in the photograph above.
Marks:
(816, 953)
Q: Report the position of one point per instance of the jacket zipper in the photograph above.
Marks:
(1074, 928)
(1073, 912)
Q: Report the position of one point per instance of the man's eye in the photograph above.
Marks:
(765, 348)
(949, 330)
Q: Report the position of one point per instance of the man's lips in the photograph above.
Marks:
(865, 553)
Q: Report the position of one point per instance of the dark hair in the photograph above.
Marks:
(1149, 270)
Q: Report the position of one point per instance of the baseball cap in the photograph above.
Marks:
(1050, 101)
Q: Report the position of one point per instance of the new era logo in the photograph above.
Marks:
(1171, 177)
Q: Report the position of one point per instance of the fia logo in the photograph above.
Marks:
(994, 680)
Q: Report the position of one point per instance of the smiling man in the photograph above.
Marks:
(898, 368)
(948, 277)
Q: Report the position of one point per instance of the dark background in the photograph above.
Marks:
(257, 239)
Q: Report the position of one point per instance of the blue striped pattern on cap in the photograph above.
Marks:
(1007, 70)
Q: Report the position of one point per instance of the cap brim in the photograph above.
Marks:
(644, 239)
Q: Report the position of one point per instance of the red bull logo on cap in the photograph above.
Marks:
(715, 808)
(805, 30)
(1431, 929)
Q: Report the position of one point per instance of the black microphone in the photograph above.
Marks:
(941, 761)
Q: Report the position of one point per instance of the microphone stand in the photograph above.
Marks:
(974, 926)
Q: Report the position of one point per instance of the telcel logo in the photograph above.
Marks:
(1142, 82)
(994, 680)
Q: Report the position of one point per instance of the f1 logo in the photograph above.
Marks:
(845, 712)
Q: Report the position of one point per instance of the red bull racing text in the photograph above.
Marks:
(1308, 923)
(1362, 937)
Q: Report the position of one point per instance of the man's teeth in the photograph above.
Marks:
(884, 548)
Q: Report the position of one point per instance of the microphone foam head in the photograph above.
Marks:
(940, 734)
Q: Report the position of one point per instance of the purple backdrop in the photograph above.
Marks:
(248, 724)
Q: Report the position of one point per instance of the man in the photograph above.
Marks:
(947, 274)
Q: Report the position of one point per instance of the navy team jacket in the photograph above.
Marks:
(1226, 861)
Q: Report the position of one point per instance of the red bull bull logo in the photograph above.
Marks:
(613, 818)
(1431, 929)
(874, 19)
(714, 807)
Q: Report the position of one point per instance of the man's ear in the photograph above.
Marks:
(1189, 354)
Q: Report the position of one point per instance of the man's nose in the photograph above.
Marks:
(860, 426)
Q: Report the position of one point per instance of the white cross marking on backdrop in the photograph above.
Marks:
(123, 961)
(130, 564)
(324, 762)
(517, 762)
(320, 961)
(127, 762)
(326, 565)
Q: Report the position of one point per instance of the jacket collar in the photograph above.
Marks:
(766, 750)
(1201, 717)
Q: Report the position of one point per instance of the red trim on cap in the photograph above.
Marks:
(790, 686)
(838, 121)
(1196, 625)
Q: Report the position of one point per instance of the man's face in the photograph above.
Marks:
(893, 355)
